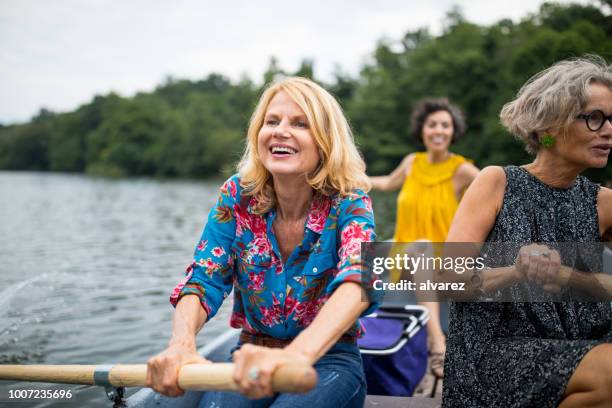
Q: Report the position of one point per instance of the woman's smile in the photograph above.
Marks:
(282, 151)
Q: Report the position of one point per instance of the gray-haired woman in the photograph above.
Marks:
(548, 353)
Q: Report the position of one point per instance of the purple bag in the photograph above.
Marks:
(394, 349)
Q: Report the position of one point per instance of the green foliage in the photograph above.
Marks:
(196, 129)
(27, 147)
(479, 69)
(306, 69)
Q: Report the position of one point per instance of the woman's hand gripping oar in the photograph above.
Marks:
(291, 377)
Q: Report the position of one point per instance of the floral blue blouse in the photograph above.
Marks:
(239, 249)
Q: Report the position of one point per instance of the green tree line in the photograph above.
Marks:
(196, 129)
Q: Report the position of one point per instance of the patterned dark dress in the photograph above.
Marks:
(523, 354)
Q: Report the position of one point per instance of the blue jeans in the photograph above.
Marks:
(341, 385)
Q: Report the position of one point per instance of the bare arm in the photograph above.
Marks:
(597, 285)
(189, 318)
(604, 212)
(163, 369)
(473, 221)
(475, 217)
(394, 180)
(464, 176)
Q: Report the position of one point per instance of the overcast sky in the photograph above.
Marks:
(58, 54)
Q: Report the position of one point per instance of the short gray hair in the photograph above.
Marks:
(551, 99)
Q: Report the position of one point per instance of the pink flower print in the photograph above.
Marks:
(316, 222)
(290, 304)
(257, 281)
(260, 245)
(218, 251)
(242, 220)
(229, 189)
(202, 245)
(209, 265)
(356, 231)
(306, 312)
(258, 226)
(271, 316)
(239, 321)
(318, 213)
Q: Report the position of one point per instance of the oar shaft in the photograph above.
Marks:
(65, 374)
(287, 378)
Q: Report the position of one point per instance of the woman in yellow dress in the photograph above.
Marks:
(432, 183)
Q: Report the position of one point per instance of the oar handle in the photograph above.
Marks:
(291, 377)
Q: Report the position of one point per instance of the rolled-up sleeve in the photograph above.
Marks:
(356, 225)
(210, 274)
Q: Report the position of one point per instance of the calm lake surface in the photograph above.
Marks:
(87, 266)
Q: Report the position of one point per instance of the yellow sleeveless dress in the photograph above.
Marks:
(427, 203)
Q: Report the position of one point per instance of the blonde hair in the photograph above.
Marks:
(341, 169)
(551, 99)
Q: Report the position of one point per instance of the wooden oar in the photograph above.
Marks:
(291, 377)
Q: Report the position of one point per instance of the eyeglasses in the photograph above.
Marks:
(595, 120)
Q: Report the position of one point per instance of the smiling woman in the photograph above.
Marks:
(286, 235)
(543, 353)
(431, 184)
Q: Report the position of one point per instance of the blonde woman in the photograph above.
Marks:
(286, 235)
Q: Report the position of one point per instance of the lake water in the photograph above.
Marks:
(86, 269)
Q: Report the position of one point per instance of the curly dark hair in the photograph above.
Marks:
(428, 106)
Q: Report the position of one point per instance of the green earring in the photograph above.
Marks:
(547, 140)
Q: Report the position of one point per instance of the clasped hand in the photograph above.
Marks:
(540, 264)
